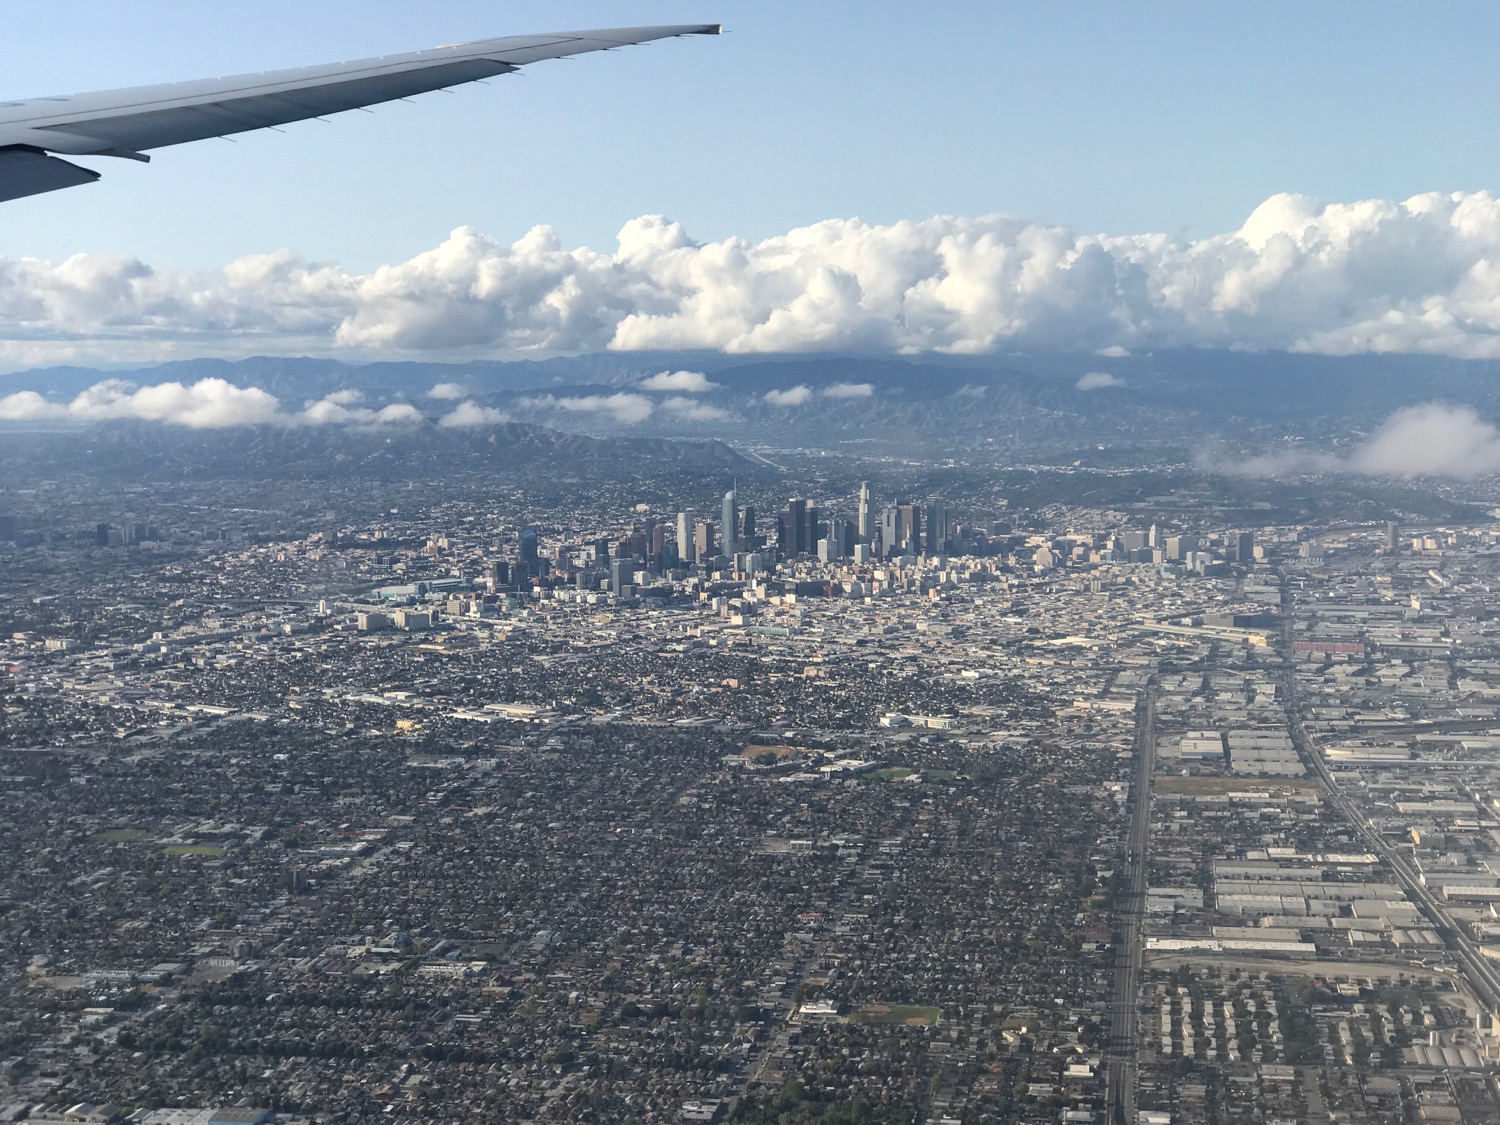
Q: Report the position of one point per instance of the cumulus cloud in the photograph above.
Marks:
(796, 396)
(792, 396)
(204, 405)
(337, 409)
(630, 409)
(1419, 276)
(448, 391)
(680, 382)
(469, 415)
(693, 410)
(1431, 439)
(1097, 380)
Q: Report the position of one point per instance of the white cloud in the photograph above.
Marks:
(1096, 380)
(335, 410)
(681, 382)
(793, 396)
(693, 410)
(628, 408)
(1431, 439)
(26, 406)
(447, 391)
(849, 390)
(397, 414)
(469, 414)
(204, 405)
(1419, 276)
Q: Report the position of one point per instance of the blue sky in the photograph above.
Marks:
(1109, 117)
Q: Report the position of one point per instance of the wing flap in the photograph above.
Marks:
(24, 172)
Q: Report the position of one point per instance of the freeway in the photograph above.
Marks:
(1130, 937)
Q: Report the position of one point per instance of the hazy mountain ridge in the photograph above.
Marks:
(136, 450)
(1177, 401)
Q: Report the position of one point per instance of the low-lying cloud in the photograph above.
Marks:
(630, 409)
(1419, 276)
(1431, 439)
(470, 415)
(208, 404)
(692, 410)
(680, 382)
(792, 396)
(1097, 380)
(801, 394)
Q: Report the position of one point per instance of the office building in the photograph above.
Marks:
(866, 515)
(704, 547)
(729, 521)
(1180, 546)
(621, 575)
(797, 527)
(531, 548)
(936, 538)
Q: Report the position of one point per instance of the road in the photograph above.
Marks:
(1131, 914)
(1477, 970)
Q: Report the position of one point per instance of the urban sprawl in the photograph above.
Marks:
(859, 810)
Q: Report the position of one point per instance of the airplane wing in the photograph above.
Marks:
(128, 122)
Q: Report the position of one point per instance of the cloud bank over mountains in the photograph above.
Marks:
(1419, 276)
(211, 404)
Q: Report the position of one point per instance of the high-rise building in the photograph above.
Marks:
(684, 539)
(703, 541)
(908, 526)
(621, 575)
(838, 535)
(729, 521)
(936, 540)
(1240, 546)
(1180, 546)
(866, 516)
(531, 547)
(747, 528)
(794, 525)
(890, 531)
(1392, 537)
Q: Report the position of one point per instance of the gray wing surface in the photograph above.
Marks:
(129, 122)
